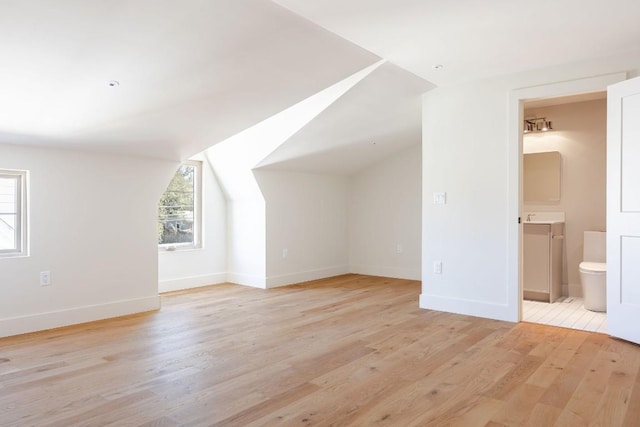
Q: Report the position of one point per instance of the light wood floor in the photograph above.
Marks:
(353, 350)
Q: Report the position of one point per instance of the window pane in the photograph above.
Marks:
(7, 232)
(176, 208)
(8, 210)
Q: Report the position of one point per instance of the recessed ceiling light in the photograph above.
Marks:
(438, 67)
(113, 83)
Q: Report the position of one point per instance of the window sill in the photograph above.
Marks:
(169, 249)
(14, 255)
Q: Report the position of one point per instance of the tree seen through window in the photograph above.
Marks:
(177, 208)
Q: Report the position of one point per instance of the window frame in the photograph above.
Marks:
(197, 212)
(21, 227)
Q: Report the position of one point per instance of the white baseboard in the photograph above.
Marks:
(469, 307)
(247, 280)
(72, 316)
(392, 272)
(171, 285)
(305, 276)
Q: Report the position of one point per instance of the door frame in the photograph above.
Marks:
(515, 115)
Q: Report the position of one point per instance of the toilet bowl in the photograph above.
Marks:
(593, 271)
(593, 276)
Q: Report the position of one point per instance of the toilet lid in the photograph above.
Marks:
(594, 266)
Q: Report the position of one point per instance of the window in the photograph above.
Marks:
(13, 224)
(179, 210)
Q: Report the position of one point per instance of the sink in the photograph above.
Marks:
(548, 218)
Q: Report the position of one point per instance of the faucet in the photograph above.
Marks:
(529, 217)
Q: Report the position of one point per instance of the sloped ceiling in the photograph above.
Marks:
(191, 72)
(377, 117)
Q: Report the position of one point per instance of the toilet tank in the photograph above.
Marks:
(595, 246)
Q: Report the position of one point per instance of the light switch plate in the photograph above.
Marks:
(439, 198)
(45, 278)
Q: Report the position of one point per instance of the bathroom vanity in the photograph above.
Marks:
(542, 259)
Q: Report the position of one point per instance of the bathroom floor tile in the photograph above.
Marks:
(567, 312)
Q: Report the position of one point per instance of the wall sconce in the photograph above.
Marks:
(537, 125)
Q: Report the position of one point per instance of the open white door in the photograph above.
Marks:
(623, 210)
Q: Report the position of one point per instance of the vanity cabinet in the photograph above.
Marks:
(542, 261)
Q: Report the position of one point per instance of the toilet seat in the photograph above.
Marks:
(593, 267)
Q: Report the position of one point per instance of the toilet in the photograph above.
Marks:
(593, 271)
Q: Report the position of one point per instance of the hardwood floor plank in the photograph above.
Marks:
(519, 406)
(267, 407)
(556, 362)
(543, 415)
(346, 351)
(565, 384)
(160, 422)
(514, 379)
(613, 405)
(632, 415)
(478, 413)
(588, 395)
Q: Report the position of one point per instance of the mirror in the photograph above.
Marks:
(541, 175)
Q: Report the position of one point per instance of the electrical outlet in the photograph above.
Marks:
(45, 278)
(398, 248)
(285, 252)
(437, 267)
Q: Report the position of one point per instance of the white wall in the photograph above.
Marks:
(189, 268)
(385, 211)
(464, 155)
(307, 214)
(245, 209)
(467, 152)
(246, 242)
(92, 225)
(580, 136)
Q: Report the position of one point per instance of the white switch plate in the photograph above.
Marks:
(285, 252)
(398, 248)
(437, 267)
(45, 278)
(439, 198)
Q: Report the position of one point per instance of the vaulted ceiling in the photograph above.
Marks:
(192, 73)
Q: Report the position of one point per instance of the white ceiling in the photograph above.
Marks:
(474, 39)
(191, 72)
(194, 72)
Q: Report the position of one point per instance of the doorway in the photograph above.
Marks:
(564, 196)
(517, 103)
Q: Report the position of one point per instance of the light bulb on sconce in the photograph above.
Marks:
(540, 124)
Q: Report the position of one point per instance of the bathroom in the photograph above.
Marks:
(569, 191)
